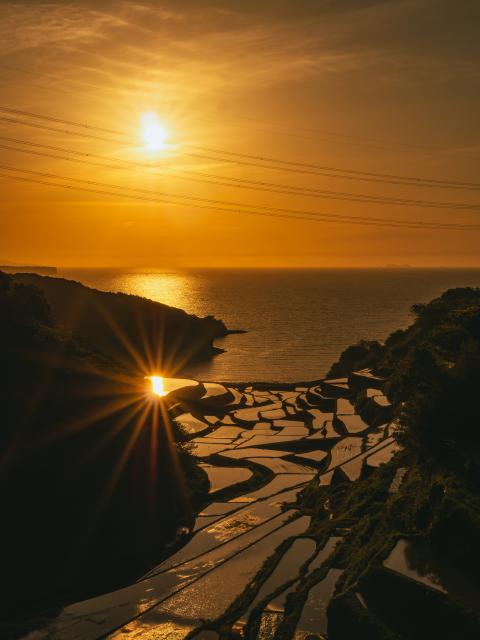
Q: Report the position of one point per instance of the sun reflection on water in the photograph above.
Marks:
(173, 289)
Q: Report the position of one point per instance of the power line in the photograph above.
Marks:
(30, 114)
(54, 130)
(338, 195)
(258, 164)
(320, 218)
(105, 165)
(303, 165)
(331, 136)
(204, 203)
(243, 183)
(254, 160)
(342, 176)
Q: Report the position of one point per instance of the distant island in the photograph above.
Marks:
(13, 268)
(395, 266)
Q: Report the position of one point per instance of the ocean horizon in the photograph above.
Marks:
(297, 321)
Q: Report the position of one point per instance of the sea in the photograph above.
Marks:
(297, 321)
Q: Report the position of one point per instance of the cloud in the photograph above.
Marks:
(30, 26)
(143, 47)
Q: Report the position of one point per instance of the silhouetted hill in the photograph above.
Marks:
(92, 484)
(129, 328)
(433, 367)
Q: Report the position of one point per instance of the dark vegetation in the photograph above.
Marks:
(125, 327)
(433, 372)
(90, 494)
(429, 509)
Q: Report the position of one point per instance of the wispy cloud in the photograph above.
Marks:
(218, 46)
(30, 26)
(192, 47)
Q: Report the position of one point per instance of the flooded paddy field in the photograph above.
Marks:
(252, 565)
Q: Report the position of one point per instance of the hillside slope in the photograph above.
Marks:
(92, 483)
(127, 328)
(426, 501)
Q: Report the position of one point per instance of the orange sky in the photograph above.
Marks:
(389, 88)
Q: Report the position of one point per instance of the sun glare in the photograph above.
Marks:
(158, 388)
(154, 134)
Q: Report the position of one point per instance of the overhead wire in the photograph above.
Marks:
(266, 162)
(226, 206)
(283, 129)
(244, 183)
(218, 205)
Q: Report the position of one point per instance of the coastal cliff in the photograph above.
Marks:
(119, 325)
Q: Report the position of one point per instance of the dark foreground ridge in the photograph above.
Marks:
(75, 476)
(343, 508)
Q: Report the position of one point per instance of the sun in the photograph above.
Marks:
(153, 133)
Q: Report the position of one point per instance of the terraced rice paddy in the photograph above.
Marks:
(223, 477)
(251, 452)
(382, 454)
(279, 465)
(419, 561)
(192, 424)
(314, 614)
(290, 437)
(279, 483)
(352, 423)
(289, 565)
